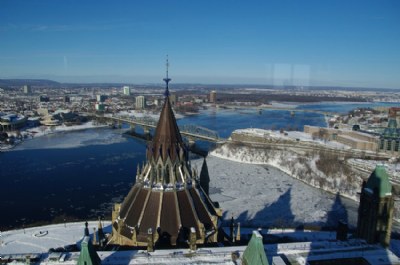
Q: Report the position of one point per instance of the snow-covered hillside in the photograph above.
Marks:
(318, 169)
(263, 196)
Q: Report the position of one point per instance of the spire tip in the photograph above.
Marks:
(167, 79)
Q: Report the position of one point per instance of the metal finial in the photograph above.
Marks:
(167, 66)
(167, 79)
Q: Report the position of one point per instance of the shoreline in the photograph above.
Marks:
(58, 129)
(283, 171)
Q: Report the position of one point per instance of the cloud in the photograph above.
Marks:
(98, 26)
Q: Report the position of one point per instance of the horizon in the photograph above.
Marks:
(312, 43)
(162, 85)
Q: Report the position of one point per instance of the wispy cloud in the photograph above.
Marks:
(99, 26)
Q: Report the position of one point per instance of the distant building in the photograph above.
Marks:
(213, 96)
(27, 89)
(99, 106)
(389, 141)
(42, 111)
(66, 99)
(394, 113)
(172, 99)
(10, 122)
(140, 102)
(376, 208)
(126, 90)
(101, 98)
(355, 139)
(44, 98)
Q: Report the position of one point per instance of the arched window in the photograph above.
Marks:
(167, 175)
(389, 145)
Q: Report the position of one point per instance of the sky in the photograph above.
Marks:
(310, 42)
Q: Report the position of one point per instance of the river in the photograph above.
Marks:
(80, 174)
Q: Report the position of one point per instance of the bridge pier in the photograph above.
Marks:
(191, 141)
(146, 130)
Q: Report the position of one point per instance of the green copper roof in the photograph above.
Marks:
(254, 254)
(392, 123)
(88, 255)
(379, 180)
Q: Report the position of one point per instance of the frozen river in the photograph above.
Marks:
(80, 174)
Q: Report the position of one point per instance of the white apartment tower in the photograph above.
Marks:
(140, 102)
(127, 90)
(27, 89)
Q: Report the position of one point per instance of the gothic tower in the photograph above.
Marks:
(375, 211)
(166, 205)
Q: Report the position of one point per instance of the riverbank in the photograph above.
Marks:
(32, 133)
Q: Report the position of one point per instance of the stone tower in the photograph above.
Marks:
(167, 201)
(376, 208)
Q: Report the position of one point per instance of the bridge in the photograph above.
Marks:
(260, 108)
(193, 132)
(190, 132)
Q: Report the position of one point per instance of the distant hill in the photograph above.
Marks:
(31, 82)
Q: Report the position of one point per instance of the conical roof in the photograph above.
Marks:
(379, 181)
(167, 141)
(166, 198)
(254, 252)
(88, 255)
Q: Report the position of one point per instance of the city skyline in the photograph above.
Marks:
(330, 43)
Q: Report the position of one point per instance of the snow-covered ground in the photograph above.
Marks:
(264, 196)
(290, 136)
(69, 141)
(41, 239)
(31, 133)
(305, 246)
(43, 130)
(144, 114)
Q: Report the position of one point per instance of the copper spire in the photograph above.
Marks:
(166, 196)
(167, 80)
(167, 139)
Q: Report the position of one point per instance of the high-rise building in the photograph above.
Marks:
(167, 205)
(140, 102)
(27, 89)
(376, 208)
(127, 90)
(213, 96)
(99, 106)
(101, 98)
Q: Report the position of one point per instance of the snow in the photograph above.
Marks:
(55, 236)
(72, 140)
(140, 114)
(310, 246)
(257, 195)
(43, 130)
(289, 135)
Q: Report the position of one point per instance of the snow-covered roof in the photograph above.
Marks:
(34, 243)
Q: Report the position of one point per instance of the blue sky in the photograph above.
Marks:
(334, 43)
